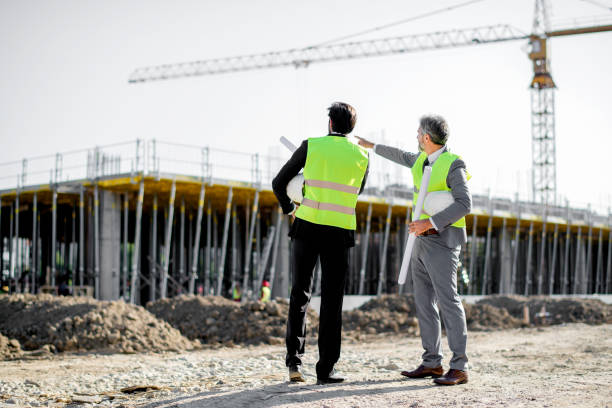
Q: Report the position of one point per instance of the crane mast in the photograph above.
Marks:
(543, 154)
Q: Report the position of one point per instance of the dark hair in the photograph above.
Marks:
(343, 117)
(436, 127)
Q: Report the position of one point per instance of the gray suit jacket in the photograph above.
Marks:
(456, 180)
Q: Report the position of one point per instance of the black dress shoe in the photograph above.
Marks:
(332, 378)
(295, 373)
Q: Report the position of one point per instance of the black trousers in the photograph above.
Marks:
(334, 255)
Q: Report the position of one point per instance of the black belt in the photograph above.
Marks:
(431, 231)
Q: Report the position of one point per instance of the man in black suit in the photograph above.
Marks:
(335, 172)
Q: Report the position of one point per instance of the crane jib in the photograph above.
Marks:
(303, 57)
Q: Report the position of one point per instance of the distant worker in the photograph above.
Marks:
(64, 289)
(436, 251)
(335, 171)
(264, 296)
(237, 293)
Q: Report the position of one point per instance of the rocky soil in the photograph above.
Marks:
(551, 366)
(209, 351)
(9, 348)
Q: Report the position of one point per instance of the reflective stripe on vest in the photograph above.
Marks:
(328, 206)
(333, 173)
(332, 186)
(437, 181)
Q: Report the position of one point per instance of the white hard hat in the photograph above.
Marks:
(437, 201)
(295, 188)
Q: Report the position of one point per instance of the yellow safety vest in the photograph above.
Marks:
(236, 294)
(333, 173)
(437, 181)
(265, 294)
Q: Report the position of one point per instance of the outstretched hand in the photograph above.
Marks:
(365, 143)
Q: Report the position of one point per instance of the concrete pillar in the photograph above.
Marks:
(89, 242)
(110, 249)
(505, 280)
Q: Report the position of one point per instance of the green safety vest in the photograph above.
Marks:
(333, 173)
(437, 180)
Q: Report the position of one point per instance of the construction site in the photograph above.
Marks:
(131, 272)
(148, 219)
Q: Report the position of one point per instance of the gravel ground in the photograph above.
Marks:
(553, 366)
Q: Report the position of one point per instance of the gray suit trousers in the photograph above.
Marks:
(434, 275)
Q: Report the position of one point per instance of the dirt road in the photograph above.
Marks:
(555, 366)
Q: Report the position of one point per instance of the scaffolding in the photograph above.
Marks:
(148, 219)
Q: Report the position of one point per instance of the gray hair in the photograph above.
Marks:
(436, 127)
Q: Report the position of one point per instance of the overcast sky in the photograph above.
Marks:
(65, 65)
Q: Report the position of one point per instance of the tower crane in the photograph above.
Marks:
(544, 179)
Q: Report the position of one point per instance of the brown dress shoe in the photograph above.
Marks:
(453, 377)
(422, 372)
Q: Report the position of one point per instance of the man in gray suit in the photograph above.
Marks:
(436, 251)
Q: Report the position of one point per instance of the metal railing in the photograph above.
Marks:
(159, 157)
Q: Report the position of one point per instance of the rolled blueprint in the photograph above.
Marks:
(292, 148)
(417, 214)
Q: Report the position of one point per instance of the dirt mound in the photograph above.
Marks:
(82, 324)
(29, 322)
(385, 314)
(391, 303)
(214, 319)
(546, 310)
(485, 317)
(397, 314)
(9, 348)
(512, 303)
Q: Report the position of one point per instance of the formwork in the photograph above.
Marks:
(147, 220)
